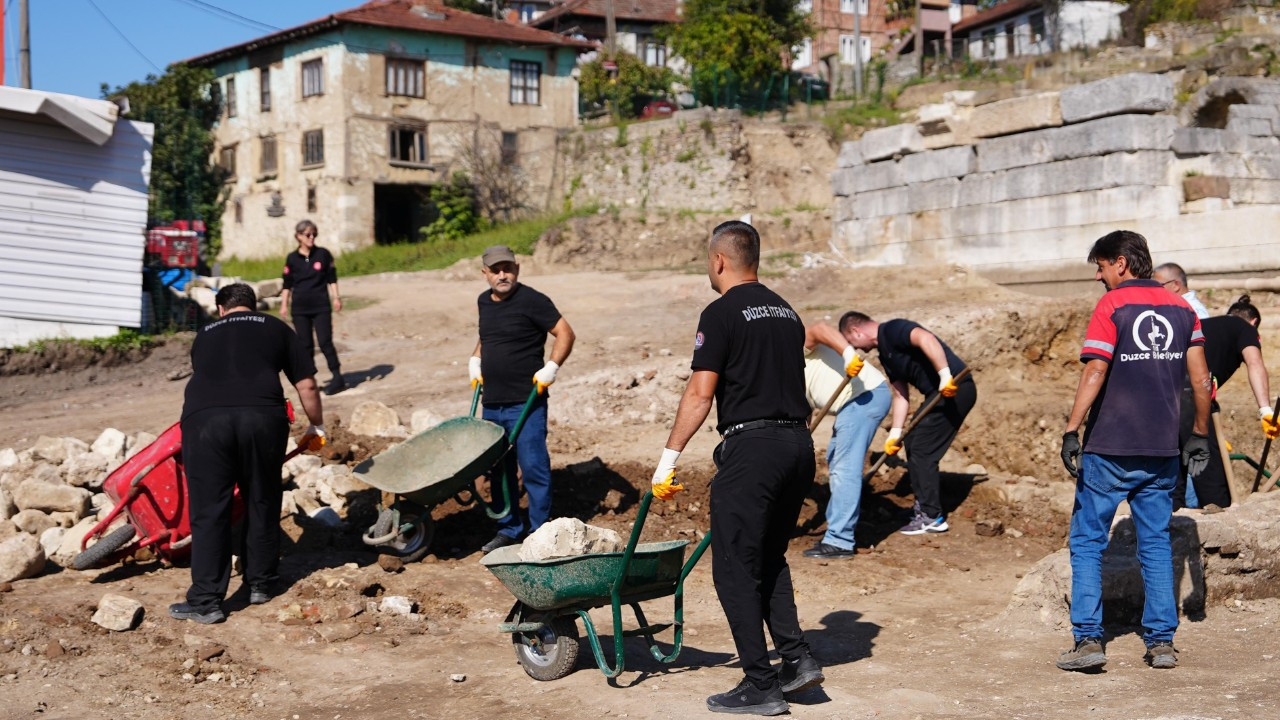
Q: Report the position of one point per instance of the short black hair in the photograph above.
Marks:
(1175, 270)
(1127, 244)
(852, 318)
(739, 241)
(1243, 308)
(237, 295)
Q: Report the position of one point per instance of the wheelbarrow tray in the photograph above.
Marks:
(437, 463)
(586, 581)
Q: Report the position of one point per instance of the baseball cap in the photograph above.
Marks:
(497, 254)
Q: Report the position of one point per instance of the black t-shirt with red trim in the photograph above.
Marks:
(308, 279)
(513, 339)
(1143, 332)
(236, 362)
(1225, 339)
(752, 338)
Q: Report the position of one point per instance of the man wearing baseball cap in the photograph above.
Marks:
(508, 361)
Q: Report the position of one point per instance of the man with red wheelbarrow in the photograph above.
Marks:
(747, 358)
(234, 430)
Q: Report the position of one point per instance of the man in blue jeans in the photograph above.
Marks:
(859, 408)
(514, 322)
(1140, 342)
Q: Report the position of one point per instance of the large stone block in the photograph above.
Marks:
(842, 182)
(48, 497)
(1247, 110)
(567, 537)
(1260, 127)
(1131, 93)
(883, 143)
(1220, 164)
(937, 164)
(842, 209)
(20, 557)
(1205, 186)
(877, 176)
(1123, 133)
(850, 154)
(878, 203)
(933, 195)
(1202, 141)
(1255, 192)
(1264, 167)
(1031, 112)
(1111, 205)
(1147, 167)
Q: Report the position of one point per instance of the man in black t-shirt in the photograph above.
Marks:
(748, 358)
(913, 356)
(234, 430)
(514, 322)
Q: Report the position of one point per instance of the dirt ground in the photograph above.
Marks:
(910, 628)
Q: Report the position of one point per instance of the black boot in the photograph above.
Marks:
(747, 699)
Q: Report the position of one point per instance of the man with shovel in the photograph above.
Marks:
(913, 356)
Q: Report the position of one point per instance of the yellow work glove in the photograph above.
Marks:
(473, 369)
(946, 384)
(547, 375)
(664, 483)
(1270, 428)
(852, 363)
(894, 443)
(313, 439)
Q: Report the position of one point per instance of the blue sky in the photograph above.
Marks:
(74, 49)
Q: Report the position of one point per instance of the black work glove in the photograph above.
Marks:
(1071, 452)
(1195, 454)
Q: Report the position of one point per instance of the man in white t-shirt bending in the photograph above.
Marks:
(858, 410)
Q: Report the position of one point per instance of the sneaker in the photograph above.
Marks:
(1085, 655)
(336, 385)
(800, 675)
(921, 524)
(826, 551)
(499, 541)
(259, 596)
(747, 699)
(1162, 655)
(184, 611)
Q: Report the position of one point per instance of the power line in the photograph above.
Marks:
(225, 14)
(125, 37)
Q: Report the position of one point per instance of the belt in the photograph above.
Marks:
(757, 424)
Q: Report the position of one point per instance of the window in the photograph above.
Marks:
(311, 198)
(407, 145)
(525, 79)
(510, 147)
(238, 205)
(312, 148)
(1036, 21)
(1010, 35)
(655, 53)
(803, 54)
(267, 156)
(988, 43)
(405, 77)
(231, 97)
(312, 78)
(528, 11)
(848, 55)
(227, 160)
(805, 6)
(846, 6)
(264, 91)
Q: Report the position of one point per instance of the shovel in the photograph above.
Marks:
(1262, 462)
(915, 420)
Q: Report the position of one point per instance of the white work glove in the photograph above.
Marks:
(313, 439)
(547, 375)
(664, 483)
(946, 386)
(473, 369)
(852, 363)
(894, 443)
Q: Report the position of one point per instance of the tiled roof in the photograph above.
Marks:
(428, 16)
(659, 11)
(996, 12)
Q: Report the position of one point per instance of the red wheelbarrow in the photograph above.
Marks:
(150, 488)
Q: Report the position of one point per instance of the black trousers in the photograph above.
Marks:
(928, 442)
(761, 481)
(323, 324)
(1211, 483)
(223, 448)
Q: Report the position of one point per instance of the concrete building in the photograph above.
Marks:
(1018, 28)
(636, 24)
(834, 42)
(351, 118)
(74, 179)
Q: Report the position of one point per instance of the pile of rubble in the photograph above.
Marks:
(202, 290)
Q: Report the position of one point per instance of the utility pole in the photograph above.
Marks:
(24, 44)
(611, 30)
(919, 41)
(2, 37)
(857, 41)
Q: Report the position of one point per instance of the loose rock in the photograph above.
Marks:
(566, 537)
(988, 528)
(47, 497)
(50, 540)
(20, 557)
(396, 605)
(373, 418)
(110, 444)
(390, 563)
(33, 522)
(117, 612)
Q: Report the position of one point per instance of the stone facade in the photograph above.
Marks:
(1027, 185)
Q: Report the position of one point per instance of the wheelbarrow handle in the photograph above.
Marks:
(475, 398)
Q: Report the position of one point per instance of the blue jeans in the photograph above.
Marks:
(856, 424)
(1146, 482)
(530, 453)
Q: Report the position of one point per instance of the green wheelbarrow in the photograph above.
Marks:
(552, 594)
(438, 464)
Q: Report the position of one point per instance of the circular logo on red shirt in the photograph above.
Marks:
(316, 265)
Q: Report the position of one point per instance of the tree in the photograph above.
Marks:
(744, 38)
(184, 105)
(625, 90)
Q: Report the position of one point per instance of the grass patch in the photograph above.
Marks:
(410, 257)
(865, 114)
(687, 155)
(122, 342)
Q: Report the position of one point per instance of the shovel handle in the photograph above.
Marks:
(813, 424)
(1262, 462)
(929, 405)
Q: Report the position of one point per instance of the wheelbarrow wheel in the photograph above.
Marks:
(413, 545)
(549, 653)
(104, 548)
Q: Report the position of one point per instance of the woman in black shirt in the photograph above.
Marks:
(311, 293)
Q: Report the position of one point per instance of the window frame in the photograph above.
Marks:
(264, 143)
(227, 160)
(264, 89)
(230, 95)
(418, 146)
(306, 136)
(318, 65)
(415, 65)
(660, 49)
(849, 7)
(525, 66)
(509, 147)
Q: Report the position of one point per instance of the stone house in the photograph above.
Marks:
(349, 119)
(636, 23)
(1017, 28)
